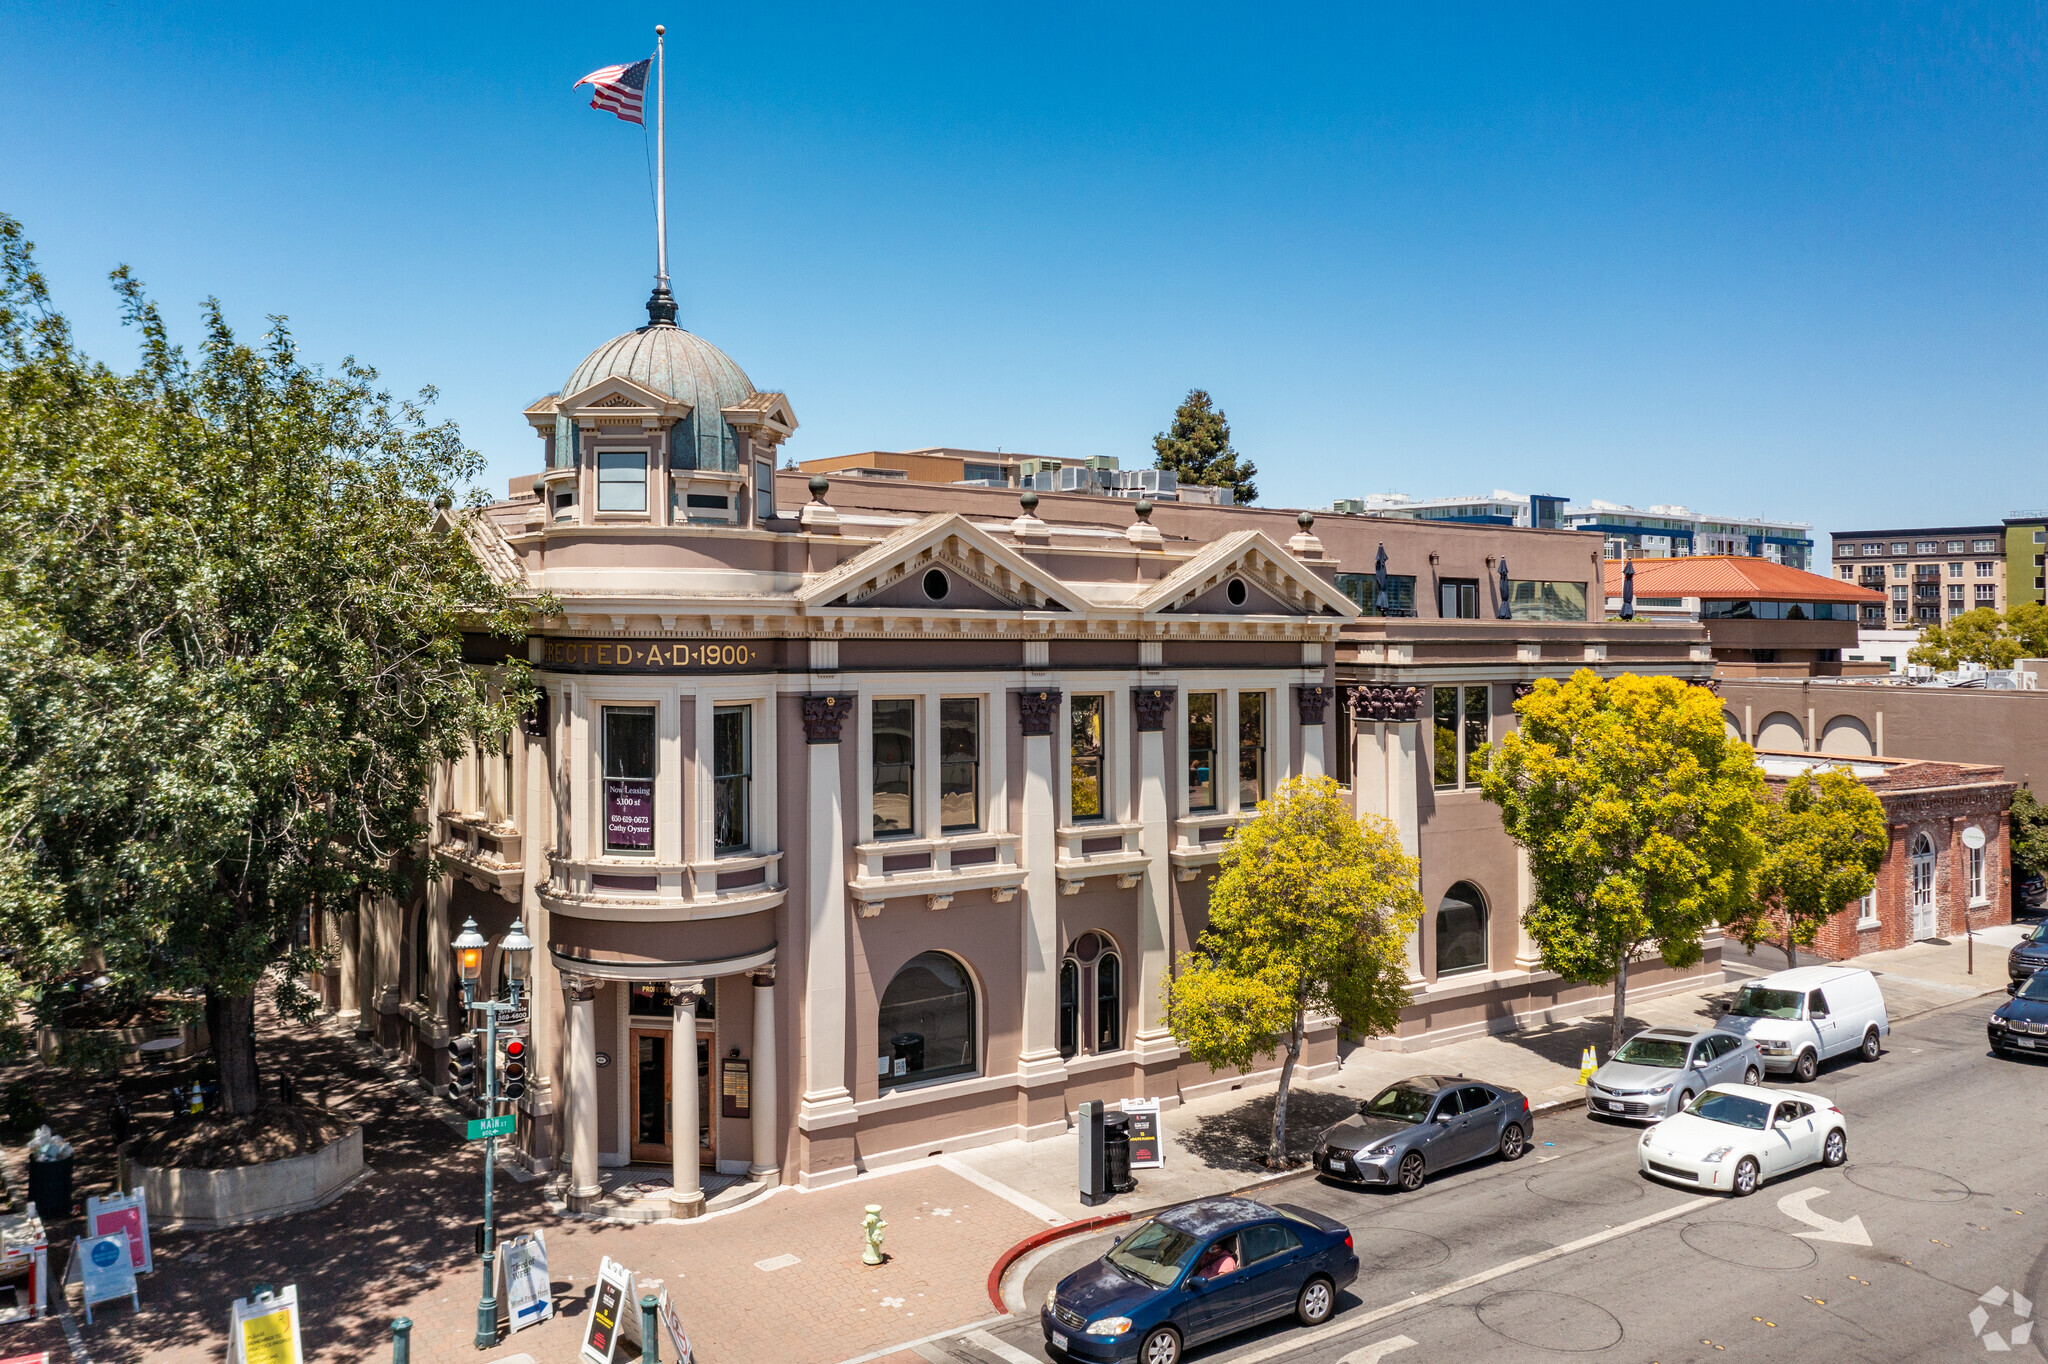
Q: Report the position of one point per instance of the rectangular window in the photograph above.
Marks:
(1898, 570)
(1363, 588)
(1955, 570)
(959, 763)
(1251, 749)
(629, 779)
(1536, 599)
(895, 768)
(1458, 598)
(1345, 730)
(1866, 910)
(764, 491)
(1955, 547)
(1477, 723)
(1955, 595)
(1901, 547)
(1976, 875)
(732, 776)
(1872, 551)
(1923, 547)
(1084, 758)
(1986, 568)
(1202, 750)
(1848, 573)
(622, 480)
(1845, 551)
(1982, 546)
(1444, 751)
(1987, 594)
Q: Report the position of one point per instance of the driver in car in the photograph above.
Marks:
(1218, 1260)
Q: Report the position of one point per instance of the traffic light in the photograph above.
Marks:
(461, 1067)
(512, 1069)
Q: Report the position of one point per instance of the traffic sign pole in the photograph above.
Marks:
(487, 1306)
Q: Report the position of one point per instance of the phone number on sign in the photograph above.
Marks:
(650, 656)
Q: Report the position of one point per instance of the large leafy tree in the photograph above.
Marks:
(2029, 833)
(1197, 449)
(1824, 839)
(1985, 637)
(1310, 914)
(231, 626)
(1639, 816)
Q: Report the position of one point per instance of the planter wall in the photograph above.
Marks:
(205, 1199)
(50, 1039)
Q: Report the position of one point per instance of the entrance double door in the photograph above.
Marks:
(653, 1102)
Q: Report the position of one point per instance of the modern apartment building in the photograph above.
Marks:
(1929, 575)
(2026, 558)
(1657, 532)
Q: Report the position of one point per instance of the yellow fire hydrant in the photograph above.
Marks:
(871, 1232)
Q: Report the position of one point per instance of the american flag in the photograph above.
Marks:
(619, 89)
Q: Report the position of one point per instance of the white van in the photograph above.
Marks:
(1801, 1017)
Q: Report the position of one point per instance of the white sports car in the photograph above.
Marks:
(1736, 1136)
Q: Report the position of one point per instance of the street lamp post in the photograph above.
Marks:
(517, 951)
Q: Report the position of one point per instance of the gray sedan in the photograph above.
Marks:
(1659, 1072)
(1422, 1124)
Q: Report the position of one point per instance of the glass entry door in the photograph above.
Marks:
(650, 1079)
(707, 1102)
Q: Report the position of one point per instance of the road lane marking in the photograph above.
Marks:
(1378, 1350)
(1345, 1325)
(1849, 1233)
(1002, 1350)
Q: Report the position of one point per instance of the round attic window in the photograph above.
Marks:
(937, 584)
(1235, 591)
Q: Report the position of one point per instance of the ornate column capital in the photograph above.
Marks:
(1311, 700)
(1523, 689)
(1397, 705)
(580, 989)
(764, 976)
(1151, 705)
(823, 716)
(534, 723)
(1710, 683)
(1037, 708)
(680, 991)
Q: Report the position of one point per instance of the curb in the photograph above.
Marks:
(1041, 1238)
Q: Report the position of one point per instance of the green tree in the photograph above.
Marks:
(2029, 833)
(1197, 449)
(231, 628)
(2027, 626)
(1979, 636)
(1637, 813)
(1311, 914)
(1824, 839)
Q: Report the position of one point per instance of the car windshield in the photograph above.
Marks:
(1403, 1103)
(1732, 1109)
(1661, 1052)
(1154, 1252)
(2040, 933)
(1756, 1002)
(2036, 987)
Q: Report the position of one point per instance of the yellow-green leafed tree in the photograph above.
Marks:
(1310, 914)
(1640, 817)
(1824, 840)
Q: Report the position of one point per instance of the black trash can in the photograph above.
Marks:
(1116, 1152)
(49, 1188)
(120, 1121)
(906, 1052)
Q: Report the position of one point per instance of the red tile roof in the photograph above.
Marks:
(1728, 577)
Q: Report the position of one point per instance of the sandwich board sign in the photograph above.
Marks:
(265, 1329)
(523, 1262)
(678, 1339)
(1148, 1152)
(614, 1291)
(103, 1269)
(127, 1212)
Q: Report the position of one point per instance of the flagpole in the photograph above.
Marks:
(660, 160)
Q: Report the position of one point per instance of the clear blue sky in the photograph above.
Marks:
(1785, 259)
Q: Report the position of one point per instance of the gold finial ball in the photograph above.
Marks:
(659, 30)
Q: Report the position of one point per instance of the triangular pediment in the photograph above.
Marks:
(1278, 578)
(617, 396)
(949, 541)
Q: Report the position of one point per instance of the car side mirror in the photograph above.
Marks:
(1194, 1283)
(1443, 1117)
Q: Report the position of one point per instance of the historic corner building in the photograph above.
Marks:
(861, 822)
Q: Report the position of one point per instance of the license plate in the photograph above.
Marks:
(2028, 1042)
(1608, 1104)
(1059, 1342)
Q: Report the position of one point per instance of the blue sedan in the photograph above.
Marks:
(1196, 1272)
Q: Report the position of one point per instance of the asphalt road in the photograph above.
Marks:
(1569, 1252)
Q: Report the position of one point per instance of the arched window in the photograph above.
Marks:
(423, 956)
(1109, 1003)
(925, 1028)
(1070, 1007)
(1461, 930)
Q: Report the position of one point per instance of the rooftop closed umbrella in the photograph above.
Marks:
(1379, 578)
(1501, 609)
(1628, 589)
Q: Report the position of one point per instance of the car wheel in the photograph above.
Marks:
(1836, 1150)
(1807, 1066)
(1745, 1177)
(1315, 1303)
(1161, 1347)
(1512, 1142)
(1411, 1172)
(1752, 1076)
(1872, 1048)
(1684, 1101)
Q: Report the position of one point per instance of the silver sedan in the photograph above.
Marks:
(1657, 1073)
(1419, 1126)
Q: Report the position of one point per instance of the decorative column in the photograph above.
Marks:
(686, 1192)
(1149, 706)
(1387, 777)
(826, 1102)
(1039, 1063)
(579, 1075)
(1528, 956)
(761, 1107)
(346, 936)
(1310, 701)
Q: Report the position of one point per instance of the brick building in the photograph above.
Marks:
(1932, 883)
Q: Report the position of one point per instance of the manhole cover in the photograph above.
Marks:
(1585, 1187)
(1912, 1183)
(1388, 1250)
(1549, 1321)
(1754, 1247)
